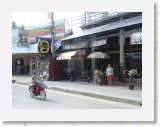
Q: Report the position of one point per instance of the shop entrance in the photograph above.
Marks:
(19, 66)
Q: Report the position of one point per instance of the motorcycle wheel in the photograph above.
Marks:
(43, 95)
(31, 92)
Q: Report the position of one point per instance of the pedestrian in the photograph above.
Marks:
(47, 72)
(109, 74)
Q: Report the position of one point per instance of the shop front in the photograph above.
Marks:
(25, 64)
(115, 39)
(25, 60)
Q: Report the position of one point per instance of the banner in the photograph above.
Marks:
(38, 32)
(59, 29)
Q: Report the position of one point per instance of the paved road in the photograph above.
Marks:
(61, 100)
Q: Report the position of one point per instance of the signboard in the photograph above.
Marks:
(28, 56)
(136, 38)
(97, 43)
(38, 32)
(135, 55)
(76, 45)
(59, 31)
(44, 46)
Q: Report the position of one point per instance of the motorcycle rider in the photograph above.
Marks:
(35, 78)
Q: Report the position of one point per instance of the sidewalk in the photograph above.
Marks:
(116, 92)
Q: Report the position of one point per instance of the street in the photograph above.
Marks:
(61, 100)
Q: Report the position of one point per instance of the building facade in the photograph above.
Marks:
(118, 35)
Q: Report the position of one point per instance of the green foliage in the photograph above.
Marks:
(132, 73)
(118, 71)
(14, 25)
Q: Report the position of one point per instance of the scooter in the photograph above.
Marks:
(40, 89)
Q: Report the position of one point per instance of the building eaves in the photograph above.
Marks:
(33, 48)
(111, 26)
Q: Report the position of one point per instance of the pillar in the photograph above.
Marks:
(93, 60)
(30, 66)
(122, 54)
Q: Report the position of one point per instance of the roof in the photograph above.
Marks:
(107, 27)
(33, 48)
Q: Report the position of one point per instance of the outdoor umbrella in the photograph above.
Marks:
(99, 55)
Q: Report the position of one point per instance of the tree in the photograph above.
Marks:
(14, 25)
(22, 27)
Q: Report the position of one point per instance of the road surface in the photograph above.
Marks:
(61, 100)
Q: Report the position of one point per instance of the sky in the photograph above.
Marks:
(34, 18)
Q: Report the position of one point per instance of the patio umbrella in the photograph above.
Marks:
(98, 55)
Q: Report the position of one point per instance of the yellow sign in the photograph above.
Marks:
(44, 46)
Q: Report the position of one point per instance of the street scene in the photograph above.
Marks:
(77, 60)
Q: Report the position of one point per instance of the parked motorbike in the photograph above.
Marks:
(40, 89)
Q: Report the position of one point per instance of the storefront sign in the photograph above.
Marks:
(136, 38)
(98, 43)
(44, 46)
(76, 45)
(135, 55)
(67, 46)
(27, 56)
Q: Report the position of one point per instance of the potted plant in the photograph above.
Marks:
(132, 73)
(99, 76)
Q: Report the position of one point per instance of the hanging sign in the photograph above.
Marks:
(44, 46)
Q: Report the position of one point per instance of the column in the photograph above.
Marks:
(30, 66)
(122, 54)
(93, 60)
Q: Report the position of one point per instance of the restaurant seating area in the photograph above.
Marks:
(87, 76)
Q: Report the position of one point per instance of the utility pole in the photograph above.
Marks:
(52, 35)
(52, 59)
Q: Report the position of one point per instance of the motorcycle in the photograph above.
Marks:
(40, 89)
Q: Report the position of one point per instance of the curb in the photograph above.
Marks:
(134, 102)
(116, 99)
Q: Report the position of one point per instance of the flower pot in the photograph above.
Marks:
(100, 82)
(131, 87)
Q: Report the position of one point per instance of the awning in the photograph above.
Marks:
(68, 55)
